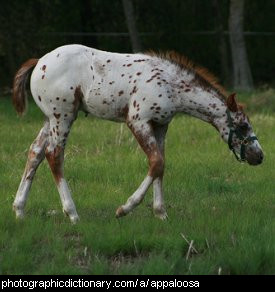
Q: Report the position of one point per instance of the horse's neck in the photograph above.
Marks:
(205, 104)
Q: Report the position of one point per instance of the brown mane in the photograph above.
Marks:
(202, 76)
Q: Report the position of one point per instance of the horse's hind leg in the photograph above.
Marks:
(158, 204)
(145, 136)
(60, 125)
(35, 157)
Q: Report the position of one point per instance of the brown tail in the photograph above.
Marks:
(19, 94)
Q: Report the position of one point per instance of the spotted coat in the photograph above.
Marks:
(143, 90)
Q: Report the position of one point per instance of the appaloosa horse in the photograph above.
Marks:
(143, 90)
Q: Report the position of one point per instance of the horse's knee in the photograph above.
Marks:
(156, 166)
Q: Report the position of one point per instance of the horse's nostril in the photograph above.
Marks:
(261, 156)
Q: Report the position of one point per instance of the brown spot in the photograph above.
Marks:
(123, 112)
(122, 75)
(187, 90)
(134, 90)
(57, 98)
(64, 100)
(43, 76)
(139, 60)
(71, 88)
(44, 68)
(134, 103)
(158, 108)
(39, 97)
(143, 98)
(129, 65)
(78, 95)
(120, 92)
(57, 116)
(138, 73)
(160, 95)
(57, 55)
(108, 61)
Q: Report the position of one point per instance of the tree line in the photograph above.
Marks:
(233, 38)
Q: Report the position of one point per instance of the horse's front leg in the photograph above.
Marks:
(144, 133)
(158, 204)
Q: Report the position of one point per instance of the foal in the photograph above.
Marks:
(143, 90)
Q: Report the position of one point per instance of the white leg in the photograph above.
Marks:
(35, 157)
(67, 201)
(158, 204)
(136, 198)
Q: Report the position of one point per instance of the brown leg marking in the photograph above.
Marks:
(55, 159)
(156, 163)
(154, 154)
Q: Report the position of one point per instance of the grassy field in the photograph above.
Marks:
(226, 208)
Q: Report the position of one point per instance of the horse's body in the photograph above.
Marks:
(144, 91)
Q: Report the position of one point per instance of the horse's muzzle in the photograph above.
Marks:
(255, 158)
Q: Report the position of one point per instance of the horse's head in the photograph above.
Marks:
(238, 133)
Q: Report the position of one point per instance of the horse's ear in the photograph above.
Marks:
(241, 106)
(231, 103)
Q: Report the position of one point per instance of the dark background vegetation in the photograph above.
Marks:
(31, 28)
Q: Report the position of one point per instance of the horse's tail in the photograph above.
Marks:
(19, 98)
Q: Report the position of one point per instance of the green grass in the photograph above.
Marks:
(226, 208)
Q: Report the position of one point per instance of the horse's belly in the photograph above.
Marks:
(107, 108)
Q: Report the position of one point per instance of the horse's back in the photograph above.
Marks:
(111, 85)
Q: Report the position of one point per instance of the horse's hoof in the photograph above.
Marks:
(162, 215)
(120, 212)
(18, 213)
(74, 219)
